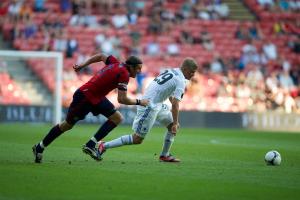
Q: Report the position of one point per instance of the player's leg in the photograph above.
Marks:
(114, 118)
(54, 132)
(121, 141)
(165, 155)
(142, 124)
(78, 110)
(165, 118)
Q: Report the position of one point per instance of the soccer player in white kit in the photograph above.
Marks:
(168, 85)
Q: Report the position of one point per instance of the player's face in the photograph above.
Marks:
(135, 70)
(189, 74)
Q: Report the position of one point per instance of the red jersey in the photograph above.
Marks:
(113, 75)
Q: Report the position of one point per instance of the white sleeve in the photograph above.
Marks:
(179, 90)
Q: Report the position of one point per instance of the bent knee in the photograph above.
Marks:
(137, 139)
(119, 119)
(65, 126)
(169, 127)
(139, 142)
(116, 118)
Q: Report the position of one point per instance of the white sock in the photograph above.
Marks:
(123, 140)
(42, 145)
(169, 139)
(94, 139)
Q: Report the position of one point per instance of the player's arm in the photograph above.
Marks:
(93, 59)
(124, 99)
(175, 99)
(175, 114)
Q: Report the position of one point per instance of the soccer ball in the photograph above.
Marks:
(273, 158)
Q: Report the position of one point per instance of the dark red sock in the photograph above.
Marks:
(104, 130)
(52, 135)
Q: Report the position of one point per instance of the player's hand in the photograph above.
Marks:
(77, 68)
(174, 128)
(144, 102)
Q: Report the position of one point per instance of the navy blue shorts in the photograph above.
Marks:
(80, 107)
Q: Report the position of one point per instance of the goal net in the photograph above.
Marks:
(30, 79)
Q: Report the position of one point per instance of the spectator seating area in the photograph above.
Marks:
(10, 93)
(268, 10)
(237, 58)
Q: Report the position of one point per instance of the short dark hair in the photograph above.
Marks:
(133, 61)
(189, 63)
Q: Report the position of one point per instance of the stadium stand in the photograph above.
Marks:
(10, 93)
(239, 59)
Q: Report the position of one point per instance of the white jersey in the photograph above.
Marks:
(170, 83)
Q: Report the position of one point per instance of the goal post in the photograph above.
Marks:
(58, 57)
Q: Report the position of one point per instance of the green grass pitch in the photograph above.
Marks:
(216, 164)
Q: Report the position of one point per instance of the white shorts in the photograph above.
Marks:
(146, 117)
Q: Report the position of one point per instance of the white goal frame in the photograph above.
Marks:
(58, 56)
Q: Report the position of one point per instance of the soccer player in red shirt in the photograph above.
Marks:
(90, 97)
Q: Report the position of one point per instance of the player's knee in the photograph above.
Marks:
(65, 126)
(138, 142)
(137, 139)
(116, 118)
(119, 119)
(169, 127)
